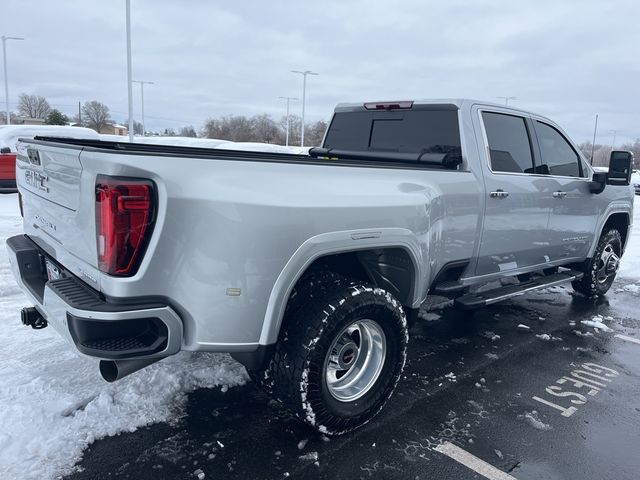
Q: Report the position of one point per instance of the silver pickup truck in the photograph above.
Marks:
(309, 269)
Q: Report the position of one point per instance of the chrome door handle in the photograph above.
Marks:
(559, 194)
(499, 194)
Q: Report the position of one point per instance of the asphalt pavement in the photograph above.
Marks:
(482, 397)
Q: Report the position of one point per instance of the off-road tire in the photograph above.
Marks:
(296, 373)
(588, 285)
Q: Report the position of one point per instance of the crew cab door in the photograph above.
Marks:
(574, 209)
(517, 203)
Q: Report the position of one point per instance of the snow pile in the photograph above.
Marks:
(631, 288)
(428, 316)
(491, 336)
(53, 402)
(533, 419)
(548, 338)
(583, 334)
(597, 323)
(451, 377)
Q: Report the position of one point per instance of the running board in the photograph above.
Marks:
(480, 299)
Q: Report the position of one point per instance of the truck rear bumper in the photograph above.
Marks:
(95, 326)
(8, 185)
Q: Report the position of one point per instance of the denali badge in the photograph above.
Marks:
(43, 222)
(36, 180)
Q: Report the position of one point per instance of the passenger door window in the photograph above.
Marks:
(509, 143)
(557, 154)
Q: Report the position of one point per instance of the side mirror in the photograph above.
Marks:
(620, 168)
(598, 182)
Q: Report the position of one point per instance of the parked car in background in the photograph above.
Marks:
(635, 181)
(9, 135)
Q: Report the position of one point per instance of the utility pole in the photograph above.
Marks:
(506, 99)
(593, 144)
(79, 115)
(6, 79)
(288, 99)
(129, 83)
(142, 82)
(304, 98)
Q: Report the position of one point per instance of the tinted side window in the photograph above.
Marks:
(403, 131)
(509, 143)
(557, 154)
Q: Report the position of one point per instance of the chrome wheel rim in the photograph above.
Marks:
(608, 264)
(355, 360)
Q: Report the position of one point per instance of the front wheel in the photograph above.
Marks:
(600, 270)
(340, 357)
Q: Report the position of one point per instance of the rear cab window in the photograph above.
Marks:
(418, 130)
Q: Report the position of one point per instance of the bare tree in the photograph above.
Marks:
(262, 128)
(33, 106)
(137, 128)
(188, 131)
(294, 129)
(95, 115)
(3, 117)
(314, 133)
(236, 128)
(265, 129)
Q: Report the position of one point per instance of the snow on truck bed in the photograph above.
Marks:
(53, 402)
(210, 143)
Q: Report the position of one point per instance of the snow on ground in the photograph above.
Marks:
(630, 263)
(53, 402)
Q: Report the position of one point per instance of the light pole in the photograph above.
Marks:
(613, 142)
(142, 82)
(129, 82)
(304, 98)
(288, 99)
(6, 81)
(593, 144)
(506, 99)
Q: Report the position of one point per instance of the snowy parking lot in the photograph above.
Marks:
(485, 384)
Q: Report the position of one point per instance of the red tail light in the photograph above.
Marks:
(125, 211)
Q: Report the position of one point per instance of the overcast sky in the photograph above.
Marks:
(564, 59)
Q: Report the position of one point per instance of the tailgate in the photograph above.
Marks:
(58, 199)
(52, 173)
